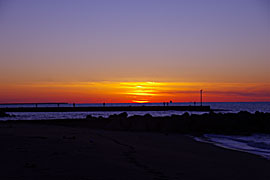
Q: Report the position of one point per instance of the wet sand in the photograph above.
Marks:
(48, 151)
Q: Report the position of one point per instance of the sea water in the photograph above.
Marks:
(82, 115)
(233, 107)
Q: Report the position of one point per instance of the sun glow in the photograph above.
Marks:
(128, 92)
(140, 101)
(141, 92)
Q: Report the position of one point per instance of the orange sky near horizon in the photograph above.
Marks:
(133, 92)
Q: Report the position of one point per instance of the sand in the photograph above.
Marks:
(48, 151)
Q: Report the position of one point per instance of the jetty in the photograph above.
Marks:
(106, 108)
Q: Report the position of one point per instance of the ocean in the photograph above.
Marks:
(233, 107)
(258, 144)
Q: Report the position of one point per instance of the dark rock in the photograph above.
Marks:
(186, 114)
(221, 123)
(4, 114)
(148, 115)
(89, 117)
(123, 115)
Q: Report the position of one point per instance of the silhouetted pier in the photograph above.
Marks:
(107, 108)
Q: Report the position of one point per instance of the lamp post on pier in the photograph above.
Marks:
(201, 96)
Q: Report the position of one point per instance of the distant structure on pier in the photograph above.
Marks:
(201, 96)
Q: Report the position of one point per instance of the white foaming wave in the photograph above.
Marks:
(258, 144)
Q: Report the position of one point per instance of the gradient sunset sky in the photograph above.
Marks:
(95, 51)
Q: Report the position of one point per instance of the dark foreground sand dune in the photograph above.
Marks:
(47, 151)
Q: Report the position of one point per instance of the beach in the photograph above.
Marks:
(49, 150)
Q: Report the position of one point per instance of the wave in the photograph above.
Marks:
(258, 144)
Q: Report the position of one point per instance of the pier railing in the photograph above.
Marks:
(107, 108)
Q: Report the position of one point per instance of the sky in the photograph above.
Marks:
(94, 51)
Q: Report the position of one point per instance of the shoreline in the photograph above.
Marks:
(53, 151)
(256, 152)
